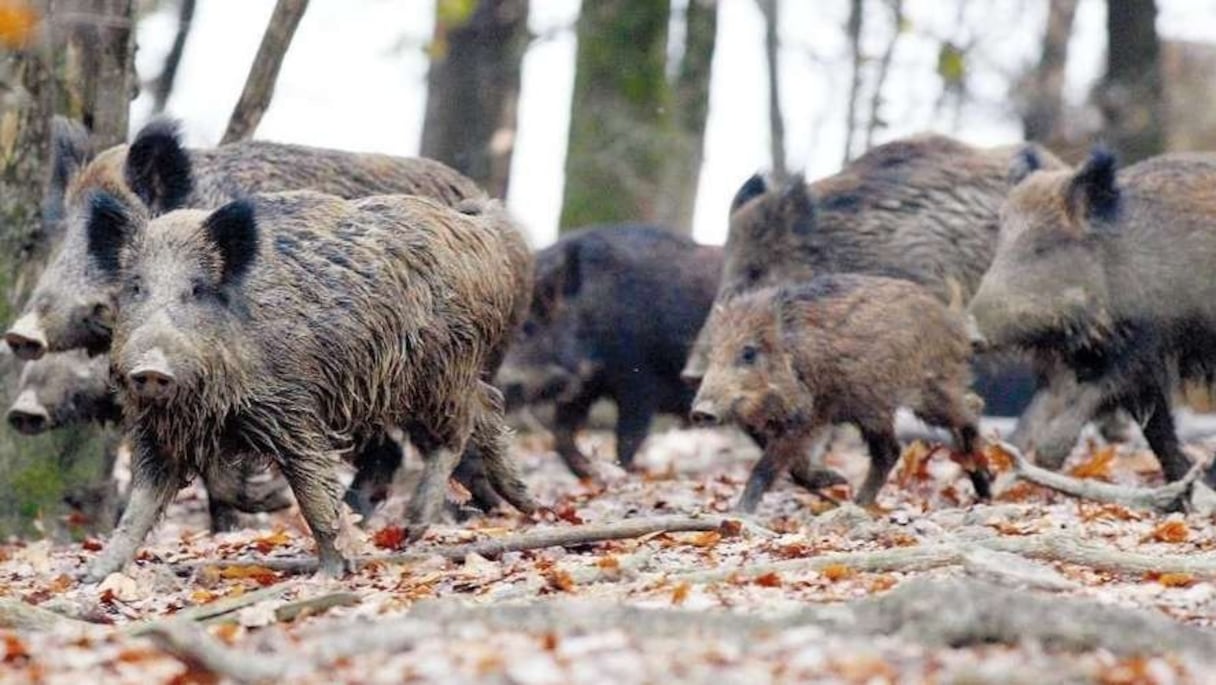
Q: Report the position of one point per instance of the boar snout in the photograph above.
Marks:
(976, 337)
(704, 413)
(27, 415)
(152, 378)
(27, 338)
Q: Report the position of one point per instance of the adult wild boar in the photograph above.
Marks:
(66, 388)
(788, 363)
(1108, 270)
(614, 312)
(71, 306)
(262, 330)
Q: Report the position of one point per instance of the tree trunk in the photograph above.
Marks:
(1131, 95)
(94, 71)
(853, 30)
(259, 86)
(1042, 117)
(771, 9)
(162, 87)
(473, 89)
(87, 72)
(678, 194)
(621, 124)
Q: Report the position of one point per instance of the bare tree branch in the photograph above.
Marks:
(771, 9)
(853, 29)
(162, 87)
(884, 66)
(259, 87)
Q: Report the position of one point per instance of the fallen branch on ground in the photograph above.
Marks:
(566, 536)
(1185, 494)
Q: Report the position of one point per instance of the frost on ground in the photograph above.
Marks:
(927, 587)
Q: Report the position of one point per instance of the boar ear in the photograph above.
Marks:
(158, 168)
(107, 229)
(752, 188)
(70, 151)
(1093, 194)
(1024, 163)
(796, 206)
(572, 271)
(234, 232)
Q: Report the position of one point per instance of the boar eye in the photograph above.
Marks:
(529, 328)
(133, 288)
(753, 274)
(199, 290)
(748, 355)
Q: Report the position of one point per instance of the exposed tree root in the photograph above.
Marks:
(932, 613)
(1187, 494)
(17, 615)
(1050, 548)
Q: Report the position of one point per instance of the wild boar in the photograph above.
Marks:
(787, 363)
(294, 327)
(1104, 269)
(614, 313)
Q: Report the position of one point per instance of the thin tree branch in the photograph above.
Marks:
(259, 87)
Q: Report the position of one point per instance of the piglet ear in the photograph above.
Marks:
(108, 229)
(158, 168)
(1093, 194)
(796, 206)
(752, 188)
(234, 232)
(1027, 161)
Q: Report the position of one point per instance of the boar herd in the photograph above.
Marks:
(254, 314)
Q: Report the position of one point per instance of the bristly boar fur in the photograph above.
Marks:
(68, 388)
(614, 311)
(346, 318)
(1108, 270)
(786, 364)
(71, 305)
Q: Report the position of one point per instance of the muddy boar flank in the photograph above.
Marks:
(1108, 270)
(66, 388)
(923, 208)
(262, 329)
(614, 312)
(786, 364)
(72, 303)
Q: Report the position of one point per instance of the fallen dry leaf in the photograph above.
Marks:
(835, 572)
(1173, 531)
(680, 593)
(1097, 464)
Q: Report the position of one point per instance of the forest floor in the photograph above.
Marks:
(803, 591)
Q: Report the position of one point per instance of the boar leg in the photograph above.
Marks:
(1157, 415)
(312, 481)
(439, 459)
(942, 406)
(779, 453)
(884, 453)
(153, 486)
(568, 418)
(809, 472)
(375, 465)
(471, 473)
(489, 438)
(635, 411)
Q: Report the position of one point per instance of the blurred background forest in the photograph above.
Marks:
(629, 110)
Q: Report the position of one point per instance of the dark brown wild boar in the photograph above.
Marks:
(66, 388)
(786, 364)
(1108, 270)
(923, 208)
(614, 312)
(294, 327)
